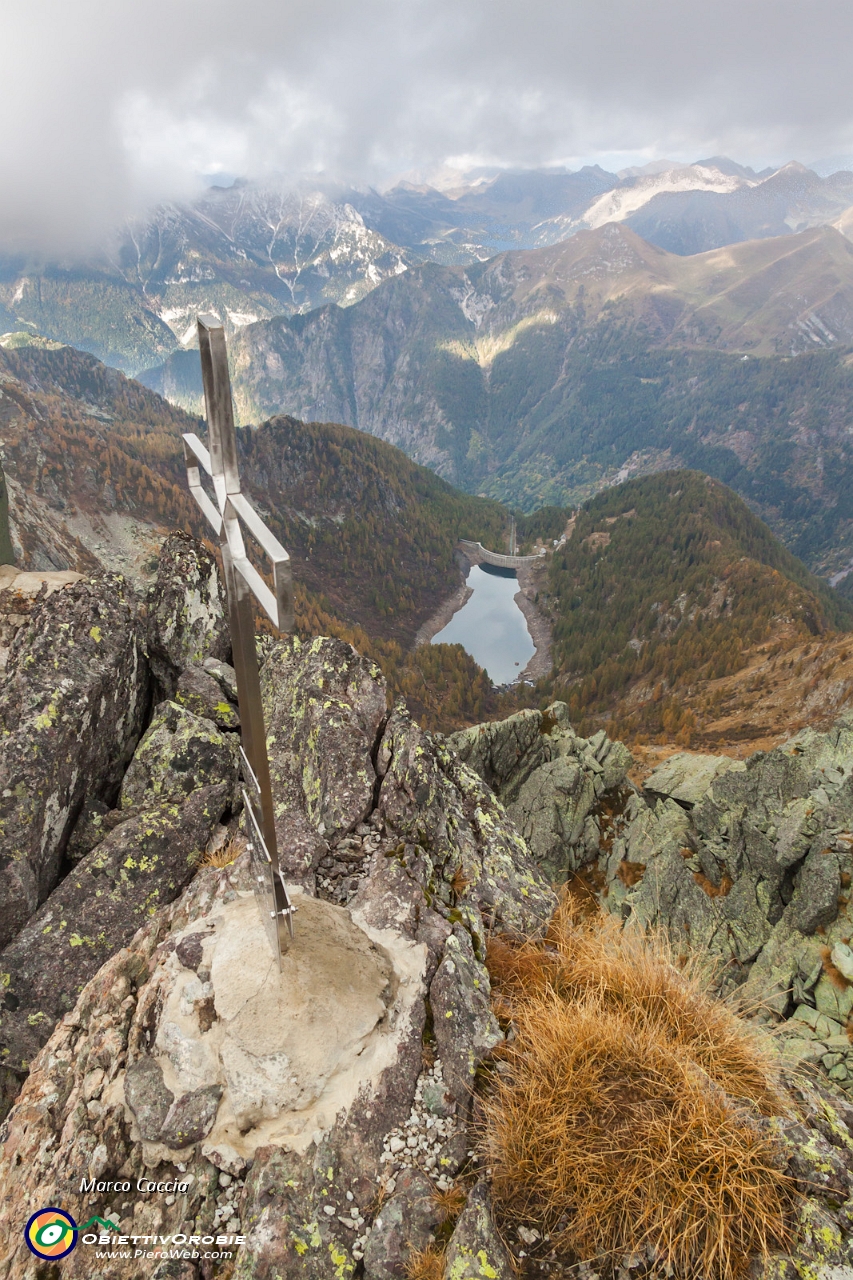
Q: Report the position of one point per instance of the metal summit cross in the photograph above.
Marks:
(227, 515)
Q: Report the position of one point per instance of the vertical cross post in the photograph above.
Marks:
(227, 515)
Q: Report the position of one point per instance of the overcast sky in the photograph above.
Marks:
(108, 106)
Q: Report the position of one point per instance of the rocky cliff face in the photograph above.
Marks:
(328, 1112)
(7, 555)
(100, 818)
(285, 1102)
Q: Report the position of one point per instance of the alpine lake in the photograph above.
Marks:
(490, 626)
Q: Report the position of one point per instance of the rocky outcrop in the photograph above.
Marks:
(7, 555)
(186, 613)
(282, 1102)
(750, 864)
(145, 862)
(71, 711)
(75, 703)
(324, 706)
(550, 780)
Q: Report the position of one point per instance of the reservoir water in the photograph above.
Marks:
(491, 627)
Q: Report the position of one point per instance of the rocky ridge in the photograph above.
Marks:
(320, 1112)
(163, 1063)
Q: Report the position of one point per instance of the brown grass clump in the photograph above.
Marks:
(450, 1203)
(628, 1113)
(223, 856)
(835, 975)
(426, 1264)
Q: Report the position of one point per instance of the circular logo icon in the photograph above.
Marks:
(51, 1233)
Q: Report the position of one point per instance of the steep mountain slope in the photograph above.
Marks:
(541, 375)
(792, 199)
(667, 591)
(253, 251)
(94, 465)
(674, 563)
(243, 253)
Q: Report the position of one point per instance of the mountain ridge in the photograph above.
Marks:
(542, 375)
(252, 250)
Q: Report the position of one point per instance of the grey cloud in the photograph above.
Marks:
(106, 107)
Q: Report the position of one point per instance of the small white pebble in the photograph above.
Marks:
(330, 1210)
(349, 1195)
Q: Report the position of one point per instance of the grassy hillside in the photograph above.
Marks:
(668, 584)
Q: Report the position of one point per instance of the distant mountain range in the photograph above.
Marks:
(543, 375)
(248, 253)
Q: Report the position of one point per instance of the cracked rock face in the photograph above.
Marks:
(186, 612)
(145, 862)
(549, 779)
(332, 1084)
(324, 706)
(72, 708)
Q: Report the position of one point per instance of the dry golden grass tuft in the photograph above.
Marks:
(426, 1264)
(630, 1110)
(450, 1203)
(223, 856)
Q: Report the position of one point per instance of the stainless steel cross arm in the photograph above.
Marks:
(234, 508)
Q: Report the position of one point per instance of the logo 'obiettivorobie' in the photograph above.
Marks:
(50, 1233)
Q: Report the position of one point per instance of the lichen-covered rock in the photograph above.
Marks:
(476, 1251)
(765, 848)
(406, 1222)
(466, 1030)
(549, 779)
(686, 776)
(71, 1122)
(324, 705)
(200, 692)
(179, 753)
(750, 865)
(332, 1081)
(71, 711)
(186, 612)
(144, 863)
(148, 1096)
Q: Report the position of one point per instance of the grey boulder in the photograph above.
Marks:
(72, 708)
